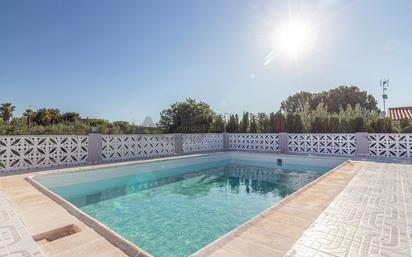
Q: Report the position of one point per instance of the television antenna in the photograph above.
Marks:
(384, 84)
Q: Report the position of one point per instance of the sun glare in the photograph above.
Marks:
(293, 38)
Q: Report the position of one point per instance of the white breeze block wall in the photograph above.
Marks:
(28, 152)
(126, 147)
(390, 145)
(336, 144)
(254, 142)
(193, 143)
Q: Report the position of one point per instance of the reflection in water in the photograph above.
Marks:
(251, 179)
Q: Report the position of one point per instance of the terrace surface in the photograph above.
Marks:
(359, 209)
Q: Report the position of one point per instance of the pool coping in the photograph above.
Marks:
(134, 250)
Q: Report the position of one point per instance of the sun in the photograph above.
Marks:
(293, 37)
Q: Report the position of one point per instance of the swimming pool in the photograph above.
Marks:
(173, 208)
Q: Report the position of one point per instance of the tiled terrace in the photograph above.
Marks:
(371, 217)
(361, 208)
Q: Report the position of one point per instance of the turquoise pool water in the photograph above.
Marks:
(173, 212)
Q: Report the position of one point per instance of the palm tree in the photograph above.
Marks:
(29, 114)
(6, 111)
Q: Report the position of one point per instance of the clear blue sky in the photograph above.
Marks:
(123, 60)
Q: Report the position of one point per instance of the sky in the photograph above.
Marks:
(124, 60)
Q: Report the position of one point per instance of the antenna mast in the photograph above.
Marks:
(384, 85)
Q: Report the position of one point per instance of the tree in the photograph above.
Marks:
(262, 123)
(6, 111)
(296, 102)
(43, 117)
(123, 127)
(294, 122)
(319, 121)
(381, 126)
(407, 130)
(333, 124)
(357, 124)
(403, 123)
(50, 121)
(253, 126)
(71, 117)
(280, 123)
(319, 125)
(272, 122)
(29, 115)
(348, 95)
(233, 124)
(333, 99)
(218, 124)
(187, 116)
(244, 124)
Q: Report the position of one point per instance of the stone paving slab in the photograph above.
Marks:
(15, 240)
(371, 217)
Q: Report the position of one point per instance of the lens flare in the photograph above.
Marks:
(294, 37)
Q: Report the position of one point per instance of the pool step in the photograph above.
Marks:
(81, 244)
(56, 234)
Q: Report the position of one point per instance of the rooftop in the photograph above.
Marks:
(398, 113)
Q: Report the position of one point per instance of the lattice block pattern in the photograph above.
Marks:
(123, 147)
(25, 152)
(390, 145)
(202, 142)
(254, 142)
(339, 144)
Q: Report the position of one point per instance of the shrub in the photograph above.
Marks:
(357, 124)
(333, 125)
(295, 124)
(404, 123)
(381, 126)
(280, 123)
(407, 130)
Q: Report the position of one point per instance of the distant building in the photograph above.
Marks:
(148, 122)
(398, 113)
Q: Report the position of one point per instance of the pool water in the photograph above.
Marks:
(174, 212)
